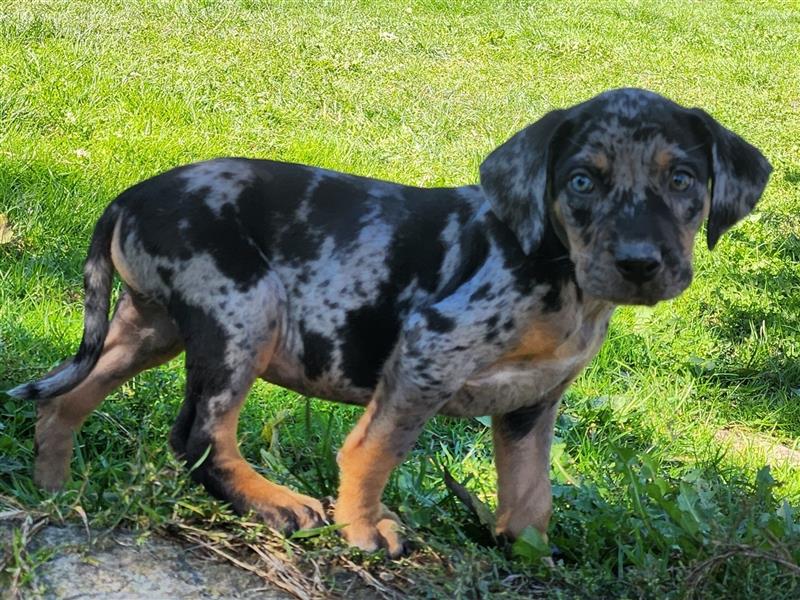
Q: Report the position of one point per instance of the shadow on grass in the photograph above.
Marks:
(51, 209)
(756, 331)
(25, 356)
(792, 176)
(44, 259)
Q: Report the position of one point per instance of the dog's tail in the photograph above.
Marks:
(98, 273)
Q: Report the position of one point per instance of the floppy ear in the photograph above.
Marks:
(514, 179)
(739, 175)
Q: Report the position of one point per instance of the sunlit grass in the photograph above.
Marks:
(95, 96)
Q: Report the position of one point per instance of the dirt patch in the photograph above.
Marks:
(126, 565)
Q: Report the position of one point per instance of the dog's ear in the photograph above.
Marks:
(739, 175)
(514, 179)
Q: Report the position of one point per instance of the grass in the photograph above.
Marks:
(649, 500)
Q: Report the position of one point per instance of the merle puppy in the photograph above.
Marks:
(478, 300)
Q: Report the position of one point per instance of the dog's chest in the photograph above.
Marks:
(547, 356)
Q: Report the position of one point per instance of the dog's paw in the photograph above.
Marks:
(384, 534)
(289, 511)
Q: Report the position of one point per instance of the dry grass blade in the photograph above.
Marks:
(13, 514)
(742, 441)
(281, 568)
(6, 233)
(369, 579)
(290, 567)
(11, 509)
(272, 566)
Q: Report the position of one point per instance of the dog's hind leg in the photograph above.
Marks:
(225, 353)
(141, 336)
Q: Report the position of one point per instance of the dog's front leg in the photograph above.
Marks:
(380, 440)
(522, 442)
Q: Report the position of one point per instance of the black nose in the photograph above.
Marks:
(639, 262)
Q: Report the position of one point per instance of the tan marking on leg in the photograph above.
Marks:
(523, 477)
(522, 499)
(370, 452)
(125, 353)
(254, 491)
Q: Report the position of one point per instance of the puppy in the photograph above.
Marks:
(477, 300)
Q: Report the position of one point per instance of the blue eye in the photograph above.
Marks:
(681, 181)
(581, 183)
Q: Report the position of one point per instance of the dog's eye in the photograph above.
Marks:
(581, 183)
(681, 181)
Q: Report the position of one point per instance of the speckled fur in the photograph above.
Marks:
(483, 299)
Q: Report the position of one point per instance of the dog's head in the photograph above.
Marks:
(624, 180)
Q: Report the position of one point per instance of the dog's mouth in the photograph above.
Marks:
(616, 290)
(641, 299)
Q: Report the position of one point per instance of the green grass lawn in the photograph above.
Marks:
(659, 484)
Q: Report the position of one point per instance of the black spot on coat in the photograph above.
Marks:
(437, 321)
(519, 423)
(317, 352)
(548, 265)
(414, 257)
(481, 293)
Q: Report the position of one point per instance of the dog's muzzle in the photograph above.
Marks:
(637, 262)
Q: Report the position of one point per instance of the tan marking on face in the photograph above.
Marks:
(663, 158)
(600, 161)
(688, 233)
(637, 167)
(558, 214)
(576, 246)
